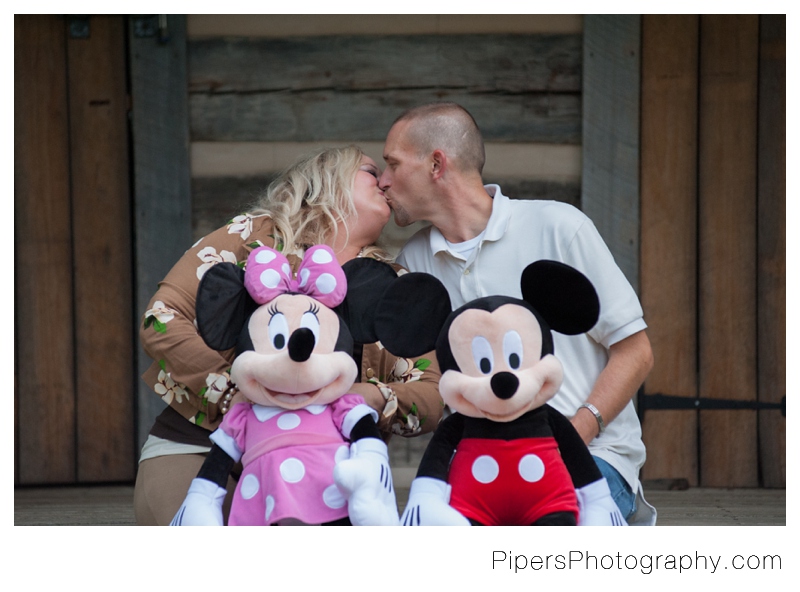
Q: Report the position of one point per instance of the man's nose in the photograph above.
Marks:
(384, 181)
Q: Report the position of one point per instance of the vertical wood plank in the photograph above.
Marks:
(102, 251)
(727, 246)
(42, 254)
(162, 197)
(611, 93)
(772, 246)
(669, 237)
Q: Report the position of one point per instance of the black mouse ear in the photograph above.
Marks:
(367, 279)
(223, 305)
(564, 297)
(411, 313)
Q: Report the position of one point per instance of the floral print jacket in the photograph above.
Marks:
(191, 377)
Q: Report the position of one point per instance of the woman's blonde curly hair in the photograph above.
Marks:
(309, 199)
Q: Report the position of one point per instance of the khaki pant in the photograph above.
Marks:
(162, 484)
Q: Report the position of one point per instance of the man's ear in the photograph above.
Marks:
(411, 314)
(438, 164)
(564, 297)
(223, 306)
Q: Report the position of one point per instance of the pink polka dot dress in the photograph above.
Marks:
(288, 461)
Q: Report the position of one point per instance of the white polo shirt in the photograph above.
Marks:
(534, 230)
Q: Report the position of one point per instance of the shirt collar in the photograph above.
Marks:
(495, 228)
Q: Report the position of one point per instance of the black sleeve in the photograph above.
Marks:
(365, 428)
(436, 460)
(576, 456)
(217, 466)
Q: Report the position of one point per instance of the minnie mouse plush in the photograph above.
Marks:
(505, 457)
(311, 452)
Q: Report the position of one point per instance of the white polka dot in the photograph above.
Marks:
(485, 469)
(343, 453)
(292, 470)
(326, 283)
(321, 256)
(287, 270)
(270, 501)
(531, 468)
(265, 256)
(316, 409)
(270, 278)
(249, 486)
(288, 421)
(333, 498)
(304, 273)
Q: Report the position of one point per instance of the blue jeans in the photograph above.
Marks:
(620, 490)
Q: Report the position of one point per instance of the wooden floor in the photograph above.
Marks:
(113, 505)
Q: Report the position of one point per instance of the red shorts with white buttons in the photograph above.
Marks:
(510, 482)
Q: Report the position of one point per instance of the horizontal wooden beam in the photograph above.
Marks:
(557, 163)
(482, 63)
(293, 25)
(325, 115)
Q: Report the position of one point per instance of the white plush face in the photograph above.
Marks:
(502, 372)
(270, 376)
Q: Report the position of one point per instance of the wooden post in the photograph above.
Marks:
(45, 404)
(610, 181)
(669, 237)
(772, 247)
(727, 246)
(102, 251)
(162, 199)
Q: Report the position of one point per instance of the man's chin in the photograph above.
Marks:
(401, 221)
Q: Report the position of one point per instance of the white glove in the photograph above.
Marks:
(596, 506)
(428, 505)
(202, 506)
(365, 480)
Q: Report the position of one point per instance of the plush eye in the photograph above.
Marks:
(310, 321)
(512, 349)
(278, 331)
(482, 354)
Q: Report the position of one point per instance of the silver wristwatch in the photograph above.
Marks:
(601, 424)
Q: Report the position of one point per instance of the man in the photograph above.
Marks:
(478, 245)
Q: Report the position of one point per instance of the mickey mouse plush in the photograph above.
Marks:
(311, 452)
(505, 457)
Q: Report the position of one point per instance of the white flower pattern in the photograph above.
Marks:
(217, 385)
(243, 225)
(404, 370)
(210, 257)
(160, 312)
(170, 390)
(410, 426)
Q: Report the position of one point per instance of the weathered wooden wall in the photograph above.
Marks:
(611, 97)
(713, 247)
(73, 274)
(669, 236)
(263, 86)
(160, 145)
(771, 280)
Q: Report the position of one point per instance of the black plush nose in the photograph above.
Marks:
(504, 385)
(301, 344)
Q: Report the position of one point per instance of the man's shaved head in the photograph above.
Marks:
(448, 127)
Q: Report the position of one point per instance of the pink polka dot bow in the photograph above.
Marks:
(268, 275)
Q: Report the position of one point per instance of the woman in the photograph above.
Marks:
(328, 197)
